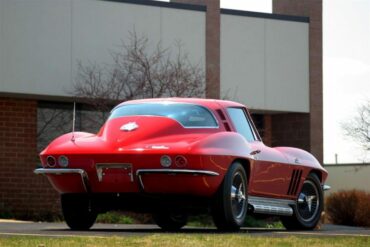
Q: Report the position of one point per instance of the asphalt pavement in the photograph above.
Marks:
(22, 228)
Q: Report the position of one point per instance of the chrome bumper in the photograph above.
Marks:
(326, 187)
(139, 173)
(61, 171)
(174, 172)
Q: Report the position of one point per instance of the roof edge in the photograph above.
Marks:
(294, 18)
(184, 6)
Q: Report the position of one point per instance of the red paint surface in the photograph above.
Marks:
(211, 149)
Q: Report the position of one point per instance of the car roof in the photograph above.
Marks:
(209, 103)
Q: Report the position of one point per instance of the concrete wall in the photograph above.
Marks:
(348, 177)
(42, 40)
(264, 62)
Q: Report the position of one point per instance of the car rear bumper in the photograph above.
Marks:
(141, 172)
(146, 180)
(84, 178)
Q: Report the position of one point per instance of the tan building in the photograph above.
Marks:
(348, 177)
(270, 62)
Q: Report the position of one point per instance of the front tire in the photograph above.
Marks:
(229, 208)
(309, 206)
(77, 211)
(170, 221)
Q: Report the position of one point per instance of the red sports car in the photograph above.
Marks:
(174, 157)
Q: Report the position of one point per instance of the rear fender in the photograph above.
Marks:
(66, 138)
(223, 143)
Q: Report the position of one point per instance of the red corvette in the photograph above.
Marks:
(172, 157)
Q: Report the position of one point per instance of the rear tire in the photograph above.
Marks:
(170, 221)
(229, 207)
(77, 211)
(310, 204)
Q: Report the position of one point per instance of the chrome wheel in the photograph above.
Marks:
(237, 195)
(308, 201)
(229, 206)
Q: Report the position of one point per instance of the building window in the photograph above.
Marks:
(55, 119)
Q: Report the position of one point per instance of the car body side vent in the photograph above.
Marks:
(227, 127)
(294, 182)
(223, 118)
(221, 114)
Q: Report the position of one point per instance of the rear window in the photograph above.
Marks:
(188, 115)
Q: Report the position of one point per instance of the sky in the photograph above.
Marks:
(346, 69)
(346, 30)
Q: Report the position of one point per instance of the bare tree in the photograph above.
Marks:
(52, 122)
(139, 72)
(358, 129)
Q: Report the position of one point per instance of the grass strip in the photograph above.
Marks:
(183, 240)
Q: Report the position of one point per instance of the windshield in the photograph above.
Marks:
(188, 115)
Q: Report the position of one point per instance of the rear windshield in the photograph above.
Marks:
(188, 115)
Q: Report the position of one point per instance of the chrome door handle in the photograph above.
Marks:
(255, 152)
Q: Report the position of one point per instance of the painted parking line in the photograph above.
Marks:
(325, 234)
(49, 235)
(14, 221)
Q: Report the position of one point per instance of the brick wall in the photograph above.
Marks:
(22, 193)
(290, 129)
(267, 125)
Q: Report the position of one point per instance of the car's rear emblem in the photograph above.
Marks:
(129, 126)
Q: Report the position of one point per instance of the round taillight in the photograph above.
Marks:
(63, 161)
(50, 161)
(166, 161)
(180, 161)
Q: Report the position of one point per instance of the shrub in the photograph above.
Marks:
(5, 212)
(201, 220)
(264, 221)
(114, 217)
(362, 217)
(350, 208)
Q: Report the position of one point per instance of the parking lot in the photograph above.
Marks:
(22, 228)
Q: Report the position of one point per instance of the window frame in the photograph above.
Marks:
(251, 125)
(217, 126)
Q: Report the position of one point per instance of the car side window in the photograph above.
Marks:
(241, 123)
